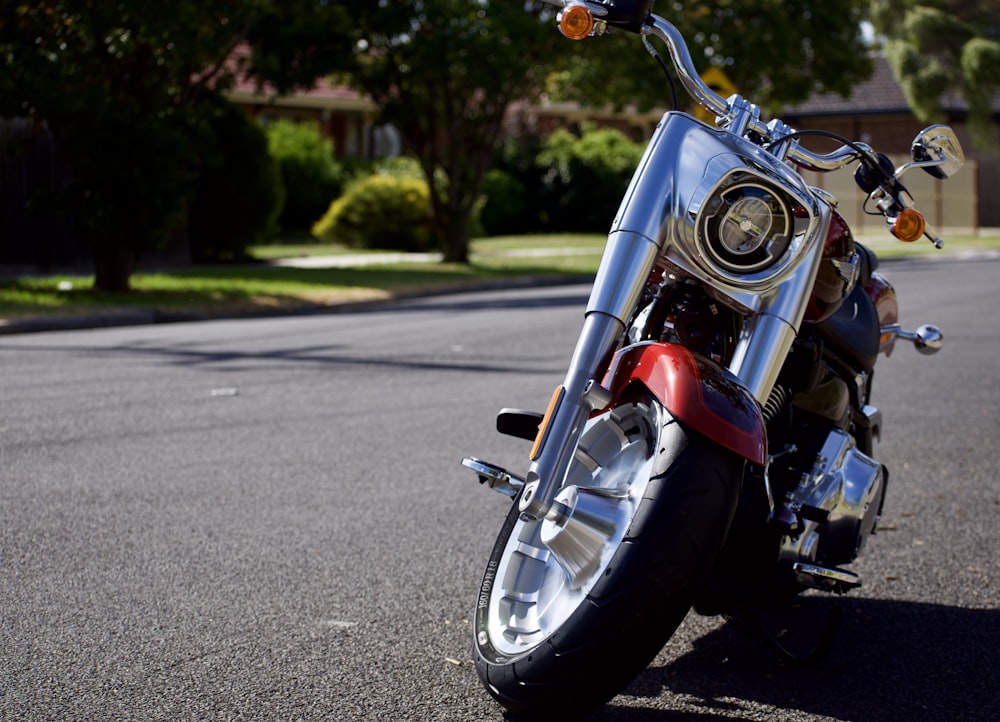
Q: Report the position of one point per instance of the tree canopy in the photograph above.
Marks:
(445, 71)
(938, 47)
(775, 52)
(126, 86)
(126, 89)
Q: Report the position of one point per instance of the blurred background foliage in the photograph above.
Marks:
(132, 95)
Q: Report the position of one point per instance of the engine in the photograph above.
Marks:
(834, 507)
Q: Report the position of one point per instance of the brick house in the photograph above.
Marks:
(341, 113)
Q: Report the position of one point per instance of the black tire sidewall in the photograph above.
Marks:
(642, 597)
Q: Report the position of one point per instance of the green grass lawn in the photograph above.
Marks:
(261, 286)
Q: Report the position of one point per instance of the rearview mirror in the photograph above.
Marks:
(936, 149)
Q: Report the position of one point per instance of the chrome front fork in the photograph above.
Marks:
(628, 260)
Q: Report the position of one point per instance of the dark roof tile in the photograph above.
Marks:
(881, 93)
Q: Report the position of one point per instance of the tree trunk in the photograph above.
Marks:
(114, 261)
(456, 238)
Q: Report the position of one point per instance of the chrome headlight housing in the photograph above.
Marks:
(745, 226)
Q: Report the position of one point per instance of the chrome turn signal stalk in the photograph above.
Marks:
(927, 339)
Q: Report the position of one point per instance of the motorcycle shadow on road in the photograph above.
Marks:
(889, 661)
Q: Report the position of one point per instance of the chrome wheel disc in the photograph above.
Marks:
(538, 583)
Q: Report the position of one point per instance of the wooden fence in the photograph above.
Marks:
(953, 203)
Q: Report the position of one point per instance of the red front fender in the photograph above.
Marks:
(697, 391)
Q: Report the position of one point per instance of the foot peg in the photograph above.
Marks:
(838, 581)
(494, 477)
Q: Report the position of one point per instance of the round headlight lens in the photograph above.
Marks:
(746, 227)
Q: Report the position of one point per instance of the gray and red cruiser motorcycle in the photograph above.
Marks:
(711, 446)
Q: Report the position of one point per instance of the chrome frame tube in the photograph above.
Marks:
(628, 261)
(686, 71)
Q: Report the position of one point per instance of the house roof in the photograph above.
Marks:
(322, 95)
(880, 94)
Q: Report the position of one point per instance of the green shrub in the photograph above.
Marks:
(380, 211)
(585, 177)
(517, 158)
(403, 166)
(239, 192)
(311, 175)
(505, 204)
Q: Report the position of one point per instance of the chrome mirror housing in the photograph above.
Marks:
(936, 149)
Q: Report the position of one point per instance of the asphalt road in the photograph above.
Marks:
(267, 520)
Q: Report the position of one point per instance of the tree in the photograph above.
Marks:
(776, 53)
(444, 72)
(941, 46)
(125, 88)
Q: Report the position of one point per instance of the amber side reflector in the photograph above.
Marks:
(909, 226)
(576, 22)
(543, 427)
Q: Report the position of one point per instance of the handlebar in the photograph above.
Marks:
(737, 114)
(741, 116)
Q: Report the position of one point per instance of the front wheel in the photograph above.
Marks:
(569, 612)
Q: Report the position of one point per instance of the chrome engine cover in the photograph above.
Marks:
(837, 504)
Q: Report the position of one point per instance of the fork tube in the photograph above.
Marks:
(760, 351)
(628, 260)
(767, 337)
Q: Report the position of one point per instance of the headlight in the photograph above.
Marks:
(745, 227)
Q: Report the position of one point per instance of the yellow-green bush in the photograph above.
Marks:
(380, 211)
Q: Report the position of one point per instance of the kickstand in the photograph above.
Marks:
(746, 621)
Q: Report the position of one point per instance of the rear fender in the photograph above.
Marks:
(695, 390)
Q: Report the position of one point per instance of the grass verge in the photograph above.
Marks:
(262, 286)
(249, 288)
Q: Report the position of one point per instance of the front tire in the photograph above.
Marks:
(552, 644)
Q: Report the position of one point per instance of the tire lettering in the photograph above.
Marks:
(488, 578)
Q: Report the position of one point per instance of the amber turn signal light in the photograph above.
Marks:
(543, 427)
(908, 226)
(576, 22)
